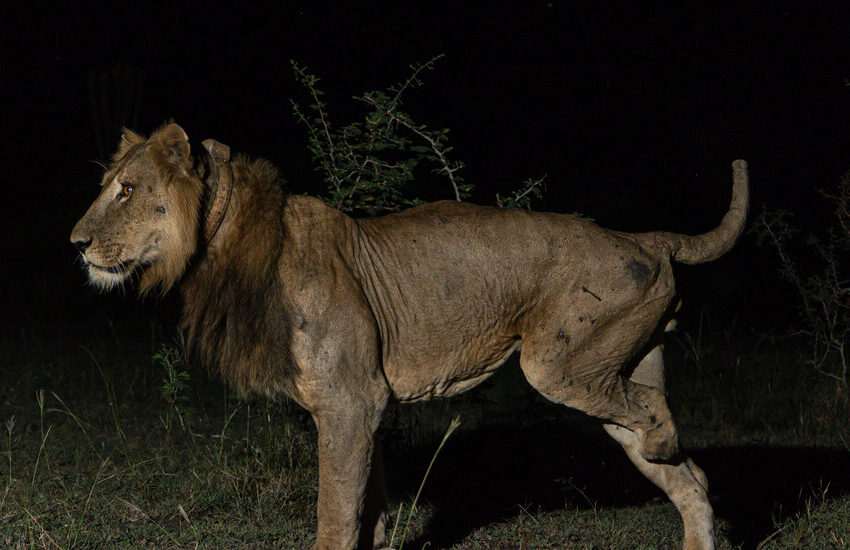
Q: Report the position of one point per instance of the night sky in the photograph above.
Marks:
(633, 114)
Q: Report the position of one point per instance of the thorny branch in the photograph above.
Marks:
(368, 163)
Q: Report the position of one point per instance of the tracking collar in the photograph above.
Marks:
(220, 184)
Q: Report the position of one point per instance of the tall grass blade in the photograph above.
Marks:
(452, 427)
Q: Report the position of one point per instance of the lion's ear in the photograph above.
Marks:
(174, 143)
(129, 139)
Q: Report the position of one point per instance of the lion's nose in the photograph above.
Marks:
(82, 245)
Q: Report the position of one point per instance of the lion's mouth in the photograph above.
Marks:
(121, 268)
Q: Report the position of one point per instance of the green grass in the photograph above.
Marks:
(103, 447)
(823, 523)
(104, 463)
(217, 486)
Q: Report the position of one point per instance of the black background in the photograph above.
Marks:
(633, 113)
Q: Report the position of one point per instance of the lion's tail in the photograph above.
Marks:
(717, 242)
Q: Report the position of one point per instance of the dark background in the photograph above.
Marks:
(634, 114)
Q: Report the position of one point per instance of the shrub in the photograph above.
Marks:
(824, 291)
(368, 164)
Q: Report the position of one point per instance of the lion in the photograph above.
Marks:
(283, 295)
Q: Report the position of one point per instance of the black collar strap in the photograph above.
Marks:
(220, 184)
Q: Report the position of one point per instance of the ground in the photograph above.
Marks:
(98, 449)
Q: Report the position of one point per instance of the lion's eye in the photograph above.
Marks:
(126, 191)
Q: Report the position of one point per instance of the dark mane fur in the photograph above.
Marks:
(236, 320)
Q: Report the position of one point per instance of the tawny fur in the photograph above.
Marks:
(292, 297)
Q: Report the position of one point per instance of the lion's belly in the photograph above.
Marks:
(449, 370)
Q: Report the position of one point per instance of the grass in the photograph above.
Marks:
(93, 464)
(104, 447)
(823, 523)
(412, 508)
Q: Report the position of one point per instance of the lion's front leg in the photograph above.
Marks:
(374, 523)
(346, 445)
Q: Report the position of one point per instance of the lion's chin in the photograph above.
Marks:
(108, 277)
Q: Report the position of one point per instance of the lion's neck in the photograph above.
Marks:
(230, 298)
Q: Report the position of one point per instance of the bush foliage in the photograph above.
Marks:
(369, 164)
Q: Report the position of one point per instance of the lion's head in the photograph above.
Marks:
(146, 218)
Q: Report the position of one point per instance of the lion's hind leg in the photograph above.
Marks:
(684, 483)
(636, 415)
(591, 380)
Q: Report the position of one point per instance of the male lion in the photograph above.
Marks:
(284, 295)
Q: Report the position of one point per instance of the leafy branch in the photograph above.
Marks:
(367, 164)
(521, 198)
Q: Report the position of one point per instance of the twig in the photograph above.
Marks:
(446, 169)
